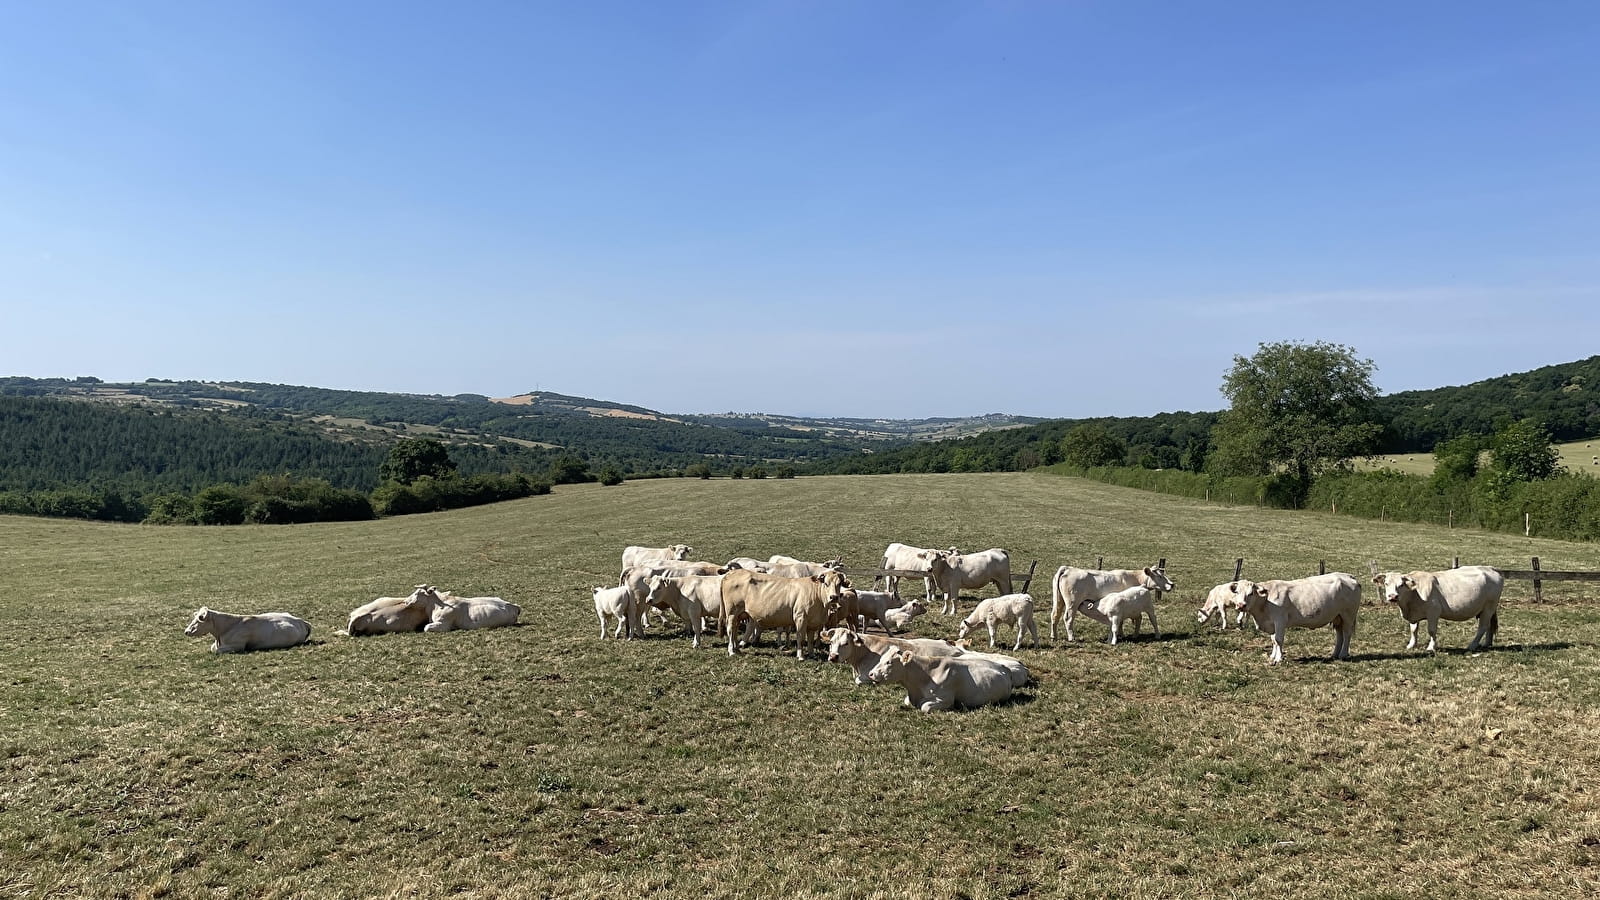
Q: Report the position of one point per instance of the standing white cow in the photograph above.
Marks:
(643, 556)
(1071, 586)
(909, 559)
(1454, 595)
(954, 572)
(1333, 599)
(235, 634)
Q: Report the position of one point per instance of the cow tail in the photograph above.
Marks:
(1056, 598)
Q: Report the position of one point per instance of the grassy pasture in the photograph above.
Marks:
(1576, 456)
(539, 761)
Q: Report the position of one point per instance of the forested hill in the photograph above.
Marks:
(1565, 398)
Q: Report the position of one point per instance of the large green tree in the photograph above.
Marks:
(1297, 410)
(1522, 451)
(1090, 445)
(412, 458)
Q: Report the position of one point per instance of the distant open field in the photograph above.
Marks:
(1578, 456)
(541, 761)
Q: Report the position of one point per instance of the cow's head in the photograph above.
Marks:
(1214, 604)
(966, 628)
(889, 665)
(201, 623)
(844, 645)
(660, 591)
(681, 551)
(1394, 584)
(1156, 580)
(1244, 593)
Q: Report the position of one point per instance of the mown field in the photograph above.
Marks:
(541, 761)
(1576, 456)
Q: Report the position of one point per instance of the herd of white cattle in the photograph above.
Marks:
(815, 602)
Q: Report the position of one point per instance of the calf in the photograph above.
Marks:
(1010, 609)
(901, 618)
(1219, 603)
(616, 603)
(1333, 599)
(236, 634)
(637, 579)
(1454, 595)
(1071, 586)
(1114, 609)
(943, 682)
(874, 606)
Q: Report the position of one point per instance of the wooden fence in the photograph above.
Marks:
(1534, 574)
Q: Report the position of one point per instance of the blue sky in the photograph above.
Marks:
(850, 208)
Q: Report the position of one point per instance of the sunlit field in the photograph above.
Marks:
(543, 761)
(1576, 456)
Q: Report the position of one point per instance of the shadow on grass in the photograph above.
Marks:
(1442, 651)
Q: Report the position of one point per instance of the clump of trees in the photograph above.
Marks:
(419, 476)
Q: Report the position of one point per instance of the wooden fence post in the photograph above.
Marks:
(1455, 563)
(1527, 526)
(1452, 517)
(1322, 567)
(1538, 586)
(1099, 562)
(1238, 568)
(1162, 563)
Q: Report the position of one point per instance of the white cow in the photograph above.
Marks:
(1124, 605)
(637, 580)
(389, 615)
(235, 634)
(901, 618)
(1454, 595)
(616, 603)
(749, 562)
(954, 572)
(910, 559)
(943, 682)
(874, 606)
(1009, 609)
(1333, 599)
(1219, 603)
(643, 556)
(1071, 586)
(863, 651)
(669, 593)
(470, 613)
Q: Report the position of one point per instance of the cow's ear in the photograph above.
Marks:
(1233, 587)
(1408, 581)
(817, 579)
(1377, 579)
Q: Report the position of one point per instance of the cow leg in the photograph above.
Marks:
(1494, 629)
(1154, 628)
(1413, 626)
(1278, 632)
(1070, 638)
(937, 702)
(1433, 633)
(990, 623)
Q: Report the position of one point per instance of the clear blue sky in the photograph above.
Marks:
(855, 208)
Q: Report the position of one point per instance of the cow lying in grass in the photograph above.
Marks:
(469, 613)
(943, 682)
(236, 634)
(388, 615)
(862, 652)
